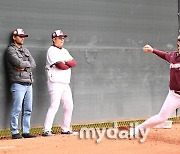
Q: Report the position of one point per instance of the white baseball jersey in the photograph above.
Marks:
(54, 74)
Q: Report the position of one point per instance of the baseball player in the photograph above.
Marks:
(172, 101)
(58, 68)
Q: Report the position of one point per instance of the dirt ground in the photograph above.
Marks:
(159, 141)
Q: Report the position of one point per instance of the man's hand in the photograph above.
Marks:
(148, 48)
(71, 63)
(19, 69)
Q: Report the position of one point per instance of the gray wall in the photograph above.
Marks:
(114, 78)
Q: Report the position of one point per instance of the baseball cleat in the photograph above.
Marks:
(47, 133)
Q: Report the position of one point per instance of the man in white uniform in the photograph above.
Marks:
(58, 68)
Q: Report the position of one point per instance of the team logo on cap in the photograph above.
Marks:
(20, 31)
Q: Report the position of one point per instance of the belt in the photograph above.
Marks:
(24, 83)
(177, 92)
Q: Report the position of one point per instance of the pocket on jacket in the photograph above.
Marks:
(24, 75)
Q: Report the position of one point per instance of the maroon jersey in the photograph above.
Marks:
(174, 59)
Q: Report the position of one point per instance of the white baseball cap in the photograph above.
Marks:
(20, 32)
(58, 33)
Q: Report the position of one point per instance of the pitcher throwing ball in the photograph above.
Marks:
(172, 101)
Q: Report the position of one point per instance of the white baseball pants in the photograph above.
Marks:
(171, 103)
(59, 93)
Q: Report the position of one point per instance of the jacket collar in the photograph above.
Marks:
(16, 48)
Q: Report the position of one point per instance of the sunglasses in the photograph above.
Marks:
(178, 40)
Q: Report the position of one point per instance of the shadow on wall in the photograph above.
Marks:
(7, 94)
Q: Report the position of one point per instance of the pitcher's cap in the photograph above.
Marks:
(20, 32)
(58, 33)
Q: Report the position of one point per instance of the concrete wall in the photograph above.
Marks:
(114, 78)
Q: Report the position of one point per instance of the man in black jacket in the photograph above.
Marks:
(20, 64)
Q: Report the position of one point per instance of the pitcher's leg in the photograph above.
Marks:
(171, 103)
